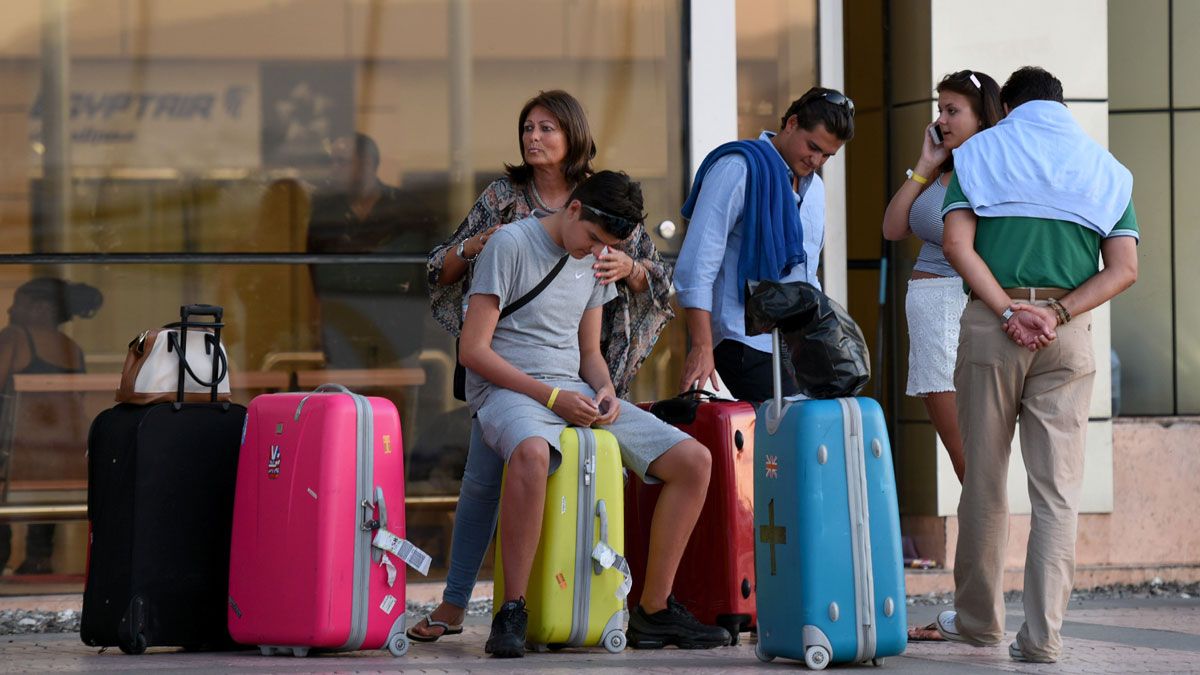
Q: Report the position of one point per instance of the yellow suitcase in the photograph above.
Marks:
(576, 594)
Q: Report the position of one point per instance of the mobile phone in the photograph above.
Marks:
(605, 405)
(935, 132)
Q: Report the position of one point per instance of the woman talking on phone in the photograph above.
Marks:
(968, 102)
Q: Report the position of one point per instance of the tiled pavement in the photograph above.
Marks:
(1156, 635)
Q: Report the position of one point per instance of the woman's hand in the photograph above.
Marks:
(576, 408)
(475, 244)
(932, 155)
(608, 405)
(612, 266)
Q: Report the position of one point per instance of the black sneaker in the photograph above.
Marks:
(507, 640)
(674, 625)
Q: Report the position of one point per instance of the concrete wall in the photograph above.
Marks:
(1150, 531)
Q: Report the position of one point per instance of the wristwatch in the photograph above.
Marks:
(462, 251)
(1006, 315)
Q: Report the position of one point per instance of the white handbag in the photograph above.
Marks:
(180, 362)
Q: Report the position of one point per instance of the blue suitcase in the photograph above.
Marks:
(827, 546)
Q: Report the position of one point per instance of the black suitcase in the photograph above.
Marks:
(160, 511)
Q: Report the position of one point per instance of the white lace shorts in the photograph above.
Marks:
(934, 308)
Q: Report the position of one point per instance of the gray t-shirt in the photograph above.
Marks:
(540, 339)
(925, 220)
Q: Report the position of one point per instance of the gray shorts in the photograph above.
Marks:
(508, 418)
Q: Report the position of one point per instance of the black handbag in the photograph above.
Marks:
(460, 373)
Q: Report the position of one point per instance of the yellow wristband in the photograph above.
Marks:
(553, 397)
(917, 178)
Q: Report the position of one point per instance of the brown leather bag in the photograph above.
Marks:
(180, 362)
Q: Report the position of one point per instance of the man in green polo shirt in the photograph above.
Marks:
(1033, 206)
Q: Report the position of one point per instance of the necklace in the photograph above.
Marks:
(537, 197)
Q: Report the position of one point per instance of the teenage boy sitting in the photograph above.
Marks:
(540, 369)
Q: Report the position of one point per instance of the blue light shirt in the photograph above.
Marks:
(706, 275)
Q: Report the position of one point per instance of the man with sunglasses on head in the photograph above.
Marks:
(757, 212)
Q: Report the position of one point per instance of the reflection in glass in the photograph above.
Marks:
(213, 128)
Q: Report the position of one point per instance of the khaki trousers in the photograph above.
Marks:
(1050, 390)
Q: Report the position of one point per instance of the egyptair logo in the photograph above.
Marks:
(772, 466)
(273, 462)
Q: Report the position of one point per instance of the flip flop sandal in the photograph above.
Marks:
(927, 633)
(447, 629)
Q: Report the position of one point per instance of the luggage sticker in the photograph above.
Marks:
(273, 463)
(772, 466)
(771, 533)
(387, 444)
(562, 580)
(388, 603)
(279, 429)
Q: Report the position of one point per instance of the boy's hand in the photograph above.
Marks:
(608, 405)
(576, 408)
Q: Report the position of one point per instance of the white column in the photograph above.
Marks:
(712, 108)
(832, 74)
(997, 40)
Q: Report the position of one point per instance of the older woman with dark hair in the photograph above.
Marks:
(557, 149)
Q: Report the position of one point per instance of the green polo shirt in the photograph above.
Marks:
(1038, 252)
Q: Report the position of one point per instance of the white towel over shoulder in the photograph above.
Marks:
(1039, 163)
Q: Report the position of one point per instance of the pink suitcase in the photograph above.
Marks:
(316, 477)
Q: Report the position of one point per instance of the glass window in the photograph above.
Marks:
(1142, 316)
(776, 60)
(176, 151)
(1138, 67)
(1186, 246)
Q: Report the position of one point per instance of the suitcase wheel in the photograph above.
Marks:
(614, 641)
(762, 655)
(732, 623)
(878, 663)
(816, 658)
(137, 647)
(398, 645)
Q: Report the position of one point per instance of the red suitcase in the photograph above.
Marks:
(716, 575)
(316, 477)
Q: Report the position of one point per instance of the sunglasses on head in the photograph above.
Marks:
(838, 98)
(614, 219)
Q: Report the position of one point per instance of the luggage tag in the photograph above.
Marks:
(607, 558)
(405, 550)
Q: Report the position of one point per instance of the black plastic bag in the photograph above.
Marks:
(828, 350)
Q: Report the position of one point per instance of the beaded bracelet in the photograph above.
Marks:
(1063, 315)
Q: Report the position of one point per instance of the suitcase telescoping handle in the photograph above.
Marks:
(776, 377)
(220, 368)
(214, 311)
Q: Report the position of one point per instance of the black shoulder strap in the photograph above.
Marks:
(525, 299)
